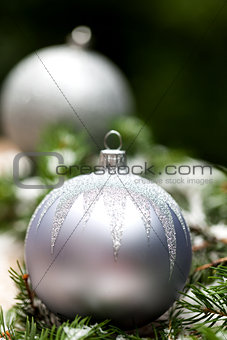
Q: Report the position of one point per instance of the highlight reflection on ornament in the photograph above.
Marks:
(121, 242)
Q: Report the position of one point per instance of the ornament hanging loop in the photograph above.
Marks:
(112, 157)
(81, 36)
(112, 132)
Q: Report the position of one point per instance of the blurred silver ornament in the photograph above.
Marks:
(67, 83)
(108, 245)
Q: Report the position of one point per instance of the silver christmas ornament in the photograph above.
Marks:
(67, 83)
(110, 245)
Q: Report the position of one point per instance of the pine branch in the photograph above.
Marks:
(212, 264)
(78, 329)
(206, 305)
(6, 327)
(27, 305)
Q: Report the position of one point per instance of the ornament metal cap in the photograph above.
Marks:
(80, 36)
(112, 157)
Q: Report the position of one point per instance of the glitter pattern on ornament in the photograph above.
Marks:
(142, 195)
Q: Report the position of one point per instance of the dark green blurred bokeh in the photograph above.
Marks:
(177, 45)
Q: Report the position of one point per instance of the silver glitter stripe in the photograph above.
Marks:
(162, 211)
(143, 205)
(62, 210)
(48, 202)
(115, 202)
(154, 190)
(158, 202)
(159, 199)
(165, 217)
(71, 191)
(177, 212)
(173, 205)
(32, 219)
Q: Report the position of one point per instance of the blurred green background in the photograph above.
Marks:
(178, 46)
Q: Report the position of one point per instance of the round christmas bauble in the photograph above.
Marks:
(110, 245)
(68, 83)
